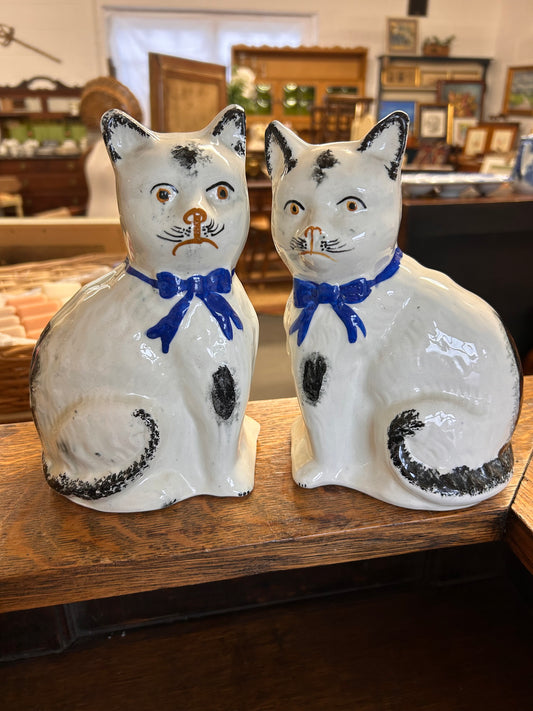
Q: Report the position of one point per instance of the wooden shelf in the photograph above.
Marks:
(55, 552)
(318, 67)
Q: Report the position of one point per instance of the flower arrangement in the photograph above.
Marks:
(242, 87)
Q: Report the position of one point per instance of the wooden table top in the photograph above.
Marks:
(56, 552)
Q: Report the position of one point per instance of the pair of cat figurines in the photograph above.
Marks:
(408, 385)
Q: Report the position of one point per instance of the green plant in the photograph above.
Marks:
(441, 42)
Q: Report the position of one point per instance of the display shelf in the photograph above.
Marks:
(412, 77)
(56, 552)
(319, 68)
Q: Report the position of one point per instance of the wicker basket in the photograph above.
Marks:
(15, 360)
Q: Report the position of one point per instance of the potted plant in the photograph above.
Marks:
(435, 47)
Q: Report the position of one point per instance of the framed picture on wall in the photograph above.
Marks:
(402, 35)
(466, 97)
(518, 98)
(434, 122)
(387, 107)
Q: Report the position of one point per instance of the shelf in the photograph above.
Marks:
(55, 552)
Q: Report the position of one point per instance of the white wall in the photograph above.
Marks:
(73, 30)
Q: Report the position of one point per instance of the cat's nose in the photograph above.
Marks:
(195, 216)
(312, 231)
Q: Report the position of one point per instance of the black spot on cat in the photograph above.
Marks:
(325, 161)
(110, 121)
(104, 486)
(189, 156)
(460, 481)
(223, 392)
(314, 370)
(272, 133)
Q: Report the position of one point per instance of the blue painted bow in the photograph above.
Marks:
(308, 295)
(208, 288)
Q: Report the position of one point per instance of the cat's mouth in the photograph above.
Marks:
(314, 242)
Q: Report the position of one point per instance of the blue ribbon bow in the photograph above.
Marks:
(308, 295)
(208, 288)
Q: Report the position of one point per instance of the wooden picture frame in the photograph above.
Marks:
(465, 96)
(429, 78)
(518, 97)
(402, 35)
(185, 95)
(476, 141)
(502, 137)
(435, 122)
(400, 76)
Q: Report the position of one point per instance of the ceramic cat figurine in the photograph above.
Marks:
(408, 385)
(139, 384)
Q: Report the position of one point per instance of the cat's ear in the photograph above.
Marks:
(386, 141)
(122, 134)
(229, 128)
(282, 148)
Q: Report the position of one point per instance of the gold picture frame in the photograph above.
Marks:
(400, 76)
(518, 97)
(402, 35)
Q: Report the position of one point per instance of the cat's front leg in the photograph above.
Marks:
(319, 441)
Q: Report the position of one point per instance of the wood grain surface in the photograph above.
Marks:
(519, 533)
(54, 551)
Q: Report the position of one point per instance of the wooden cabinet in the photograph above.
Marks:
(312, 71)
(48, 182)
(47, 112)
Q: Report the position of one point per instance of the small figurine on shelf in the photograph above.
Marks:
(139, 384)
(408, 385)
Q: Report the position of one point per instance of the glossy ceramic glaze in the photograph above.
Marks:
(522, 174)
(408, 386)
(140, 383)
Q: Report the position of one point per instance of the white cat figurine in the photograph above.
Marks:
(408, 385)
(139, 384)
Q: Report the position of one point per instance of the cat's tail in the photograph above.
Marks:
(100, 487)
(462, 486)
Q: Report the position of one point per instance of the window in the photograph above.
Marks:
(203, 36)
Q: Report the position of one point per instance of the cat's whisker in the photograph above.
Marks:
(171, 238)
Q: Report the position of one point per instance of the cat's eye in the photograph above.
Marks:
(164, 192)
(163, 195)
(222, 189)
(294, 206)
(352, 203)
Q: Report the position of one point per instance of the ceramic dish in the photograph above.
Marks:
(450, 185)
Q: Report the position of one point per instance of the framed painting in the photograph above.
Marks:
(518, 97)
(476, 141)
(466, 97)
(434, 122)
(502, 137)
(398, 76)
(460, 127)
(387, 107)
(402, 35)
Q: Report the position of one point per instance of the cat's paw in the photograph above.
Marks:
(309, 475)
